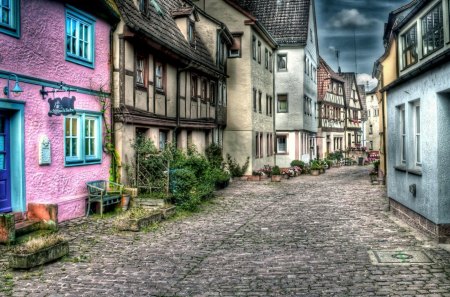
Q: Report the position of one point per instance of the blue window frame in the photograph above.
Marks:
(83, 139)
(10, 17)
(80, 37)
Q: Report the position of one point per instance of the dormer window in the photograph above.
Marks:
(143, 6)
(235, 50)
(191, 32)
(433, 30)
(409, 52)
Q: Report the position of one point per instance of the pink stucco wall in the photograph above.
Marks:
(40, 53)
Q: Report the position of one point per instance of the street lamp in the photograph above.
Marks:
(16, 90)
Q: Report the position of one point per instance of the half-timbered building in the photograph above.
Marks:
(169, 75)
(332, 110)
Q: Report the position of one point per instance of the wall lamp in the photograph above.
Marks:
(16, 90)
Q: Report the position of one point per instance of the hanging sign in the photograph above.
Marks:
(62, 106)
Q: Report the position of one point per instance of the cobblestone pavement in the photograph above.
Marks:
(307, 236)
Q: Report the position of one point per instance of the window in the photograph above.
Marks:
(432, 30)
(270, 61)
(82, 139)
(371, 145)
(282, 62)
(257, 144)
(409, 52)
(194, 85)
(212, 93)
(235, 50)
(375, 112)
(159, 76)
(270, 105)
(204, 89)
(224, 94)
(79, 37)
(266, 58)
(307, 106)
(140, 71)
(259, 52)
(10, 17)
(416, 121)
(254, 100)
(282, 103)
(267, 104)
(143, 6)
(268, 153)
(370, 129)
(254, 47)
(310, 35)
(191, 33)
(261, 150)
(281, 144)
(163, 137)
(402, 125)
(260, 102)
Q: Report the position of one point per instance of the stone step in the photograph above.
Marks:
(27, 226)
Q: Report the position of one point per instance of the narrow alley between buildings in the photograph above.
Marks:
(306, 236)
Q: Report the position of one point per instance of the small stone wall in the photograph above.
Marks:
(7, 228)
(439, 232)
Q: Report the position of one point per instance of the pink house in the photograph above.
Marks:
(52, 134)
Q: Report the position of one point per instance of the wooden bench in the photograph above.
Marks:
(105, 192)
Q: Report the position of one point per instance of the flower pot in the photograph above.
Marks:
(315, 172)
(276, 178)
(254, 178)
(125, 201)
(42, 256)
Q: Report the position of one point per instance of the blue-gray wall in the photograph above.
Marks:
(433, 187)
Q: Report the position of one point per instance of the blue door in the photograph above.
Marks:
(5, 176)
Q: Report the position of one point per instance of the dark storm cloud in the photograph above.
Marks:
(341, 22)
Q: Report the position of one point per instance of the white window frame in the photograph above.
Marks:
(280, 149)
(417, 141)
(159, 75)
(402, 134)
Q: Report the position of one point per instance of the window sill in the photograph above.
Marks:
(141, 88)
(413, 171)
(160, 91)
(86, 163)
(283, 154)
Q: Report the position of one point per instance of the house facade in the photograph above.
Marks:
(386, 71)
(418, 117)
(372, 125)
(332, 110)
(170, 83)
(354, 112)
(55, 55)
(250, 128)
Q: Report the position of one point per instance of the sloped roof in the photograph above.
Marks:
(349, 78)
(286, 20)
(163, 29)
(333, 74)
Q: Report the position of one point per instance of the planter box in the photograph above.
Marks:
(254, 178)
(51, 253)
(168, 211)
(315, 172)
(276, 178)
(137, 224)
(244, 178)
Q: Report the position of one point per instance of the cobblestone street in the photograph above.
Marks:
(307, 236)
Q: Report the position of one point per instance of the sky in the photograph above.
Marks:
(342, 22)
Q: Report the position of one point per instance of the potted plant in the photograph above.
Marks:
(315, 168)
(276, 174)
(38, 251)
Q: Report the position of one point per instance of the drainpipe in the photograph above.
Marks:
(111, 120)
(274, 141)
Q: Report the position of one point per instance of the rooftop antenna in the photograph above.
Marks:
(354, 44)
(337, 54)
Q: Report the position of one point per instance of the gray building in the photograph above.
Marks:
(418, 117)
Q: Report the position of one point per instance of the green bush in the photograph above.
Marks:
(315, 165)
(214, 155)
(235, 169)
(298, 163)
(276, 170)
